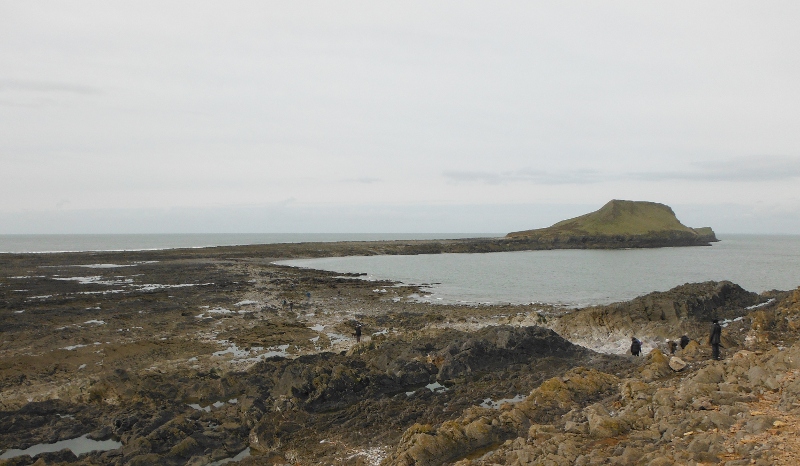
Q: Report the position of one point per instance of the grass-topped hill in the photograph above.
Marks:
(618, 225)
(625, 221)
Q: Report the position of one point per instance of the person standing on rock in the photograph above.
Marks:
(636, 346)
(714, 339)
(357, 333)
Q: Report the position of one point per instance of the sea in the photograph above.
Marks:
(146, 242)
(577, 278)
(569, 278)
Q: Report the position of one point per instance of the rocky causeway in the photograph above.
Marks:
(220, 356)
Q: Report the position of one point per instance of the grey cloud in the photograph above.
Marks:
(756, 168)
(363, 180)
(45, 86)
(742, 169)
(524, 176)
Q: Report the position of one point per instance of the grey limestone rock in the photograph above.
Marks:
(759, 424)
(721, 420)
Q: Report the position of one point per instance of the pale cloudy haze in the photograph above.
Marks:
(134, 117)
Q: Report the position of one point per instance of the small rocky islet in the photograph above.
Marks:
(201, 356)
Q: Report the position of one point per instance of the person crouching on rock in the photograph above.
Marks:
(636, 346)
(673, 346)
(684, 341)
(714, 339)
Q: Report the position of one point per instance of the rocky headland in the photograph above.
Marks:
(206, 356)
(620, 224)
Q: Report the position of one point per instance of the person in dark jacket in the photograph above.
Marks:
(684, 341)
(636, 346)
(714, 339)
(357, 333)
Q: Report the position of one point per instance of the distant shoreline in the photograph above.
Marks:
(123, 242)
(301, 247)
(393, 247)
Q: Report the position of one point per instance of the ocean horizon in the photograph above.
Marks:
(56, 243)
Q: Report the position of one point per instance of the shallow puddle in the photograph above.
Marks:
(489, 403)
(78, 446)
(73, 347)
(436, 387)
(252, 354)
(216, 404)
(242, 455)
(246, 302)
(336, 338)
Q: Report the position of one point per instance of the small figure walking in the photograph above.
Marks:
(673, 346)
(636, 346)
(291, 306)
(714, 339)
(357, 333)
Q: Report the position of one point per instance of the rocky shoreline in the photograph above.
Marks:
(192, 357)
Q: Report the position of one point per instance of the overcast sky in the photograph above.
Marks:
(406, 116)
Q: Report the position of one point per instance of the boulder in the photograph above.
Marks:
(657, 366)
(602, 424)
(760, 423)
(676, 364)
(692, 350)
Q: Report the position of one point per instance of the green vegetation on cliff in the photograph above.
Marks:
(621, 219)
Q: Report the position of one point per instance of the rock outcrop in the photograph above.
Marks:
(739, 411)
(424, 445)
(660, 316)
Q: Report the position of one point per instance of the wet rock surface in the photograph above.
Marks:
(196, 356)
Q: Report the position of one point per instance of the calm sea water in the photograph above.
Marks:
(71, 243)
(583, 277)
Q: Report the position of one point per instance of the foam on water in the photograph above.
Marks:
(105, 266)
(756, 306)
